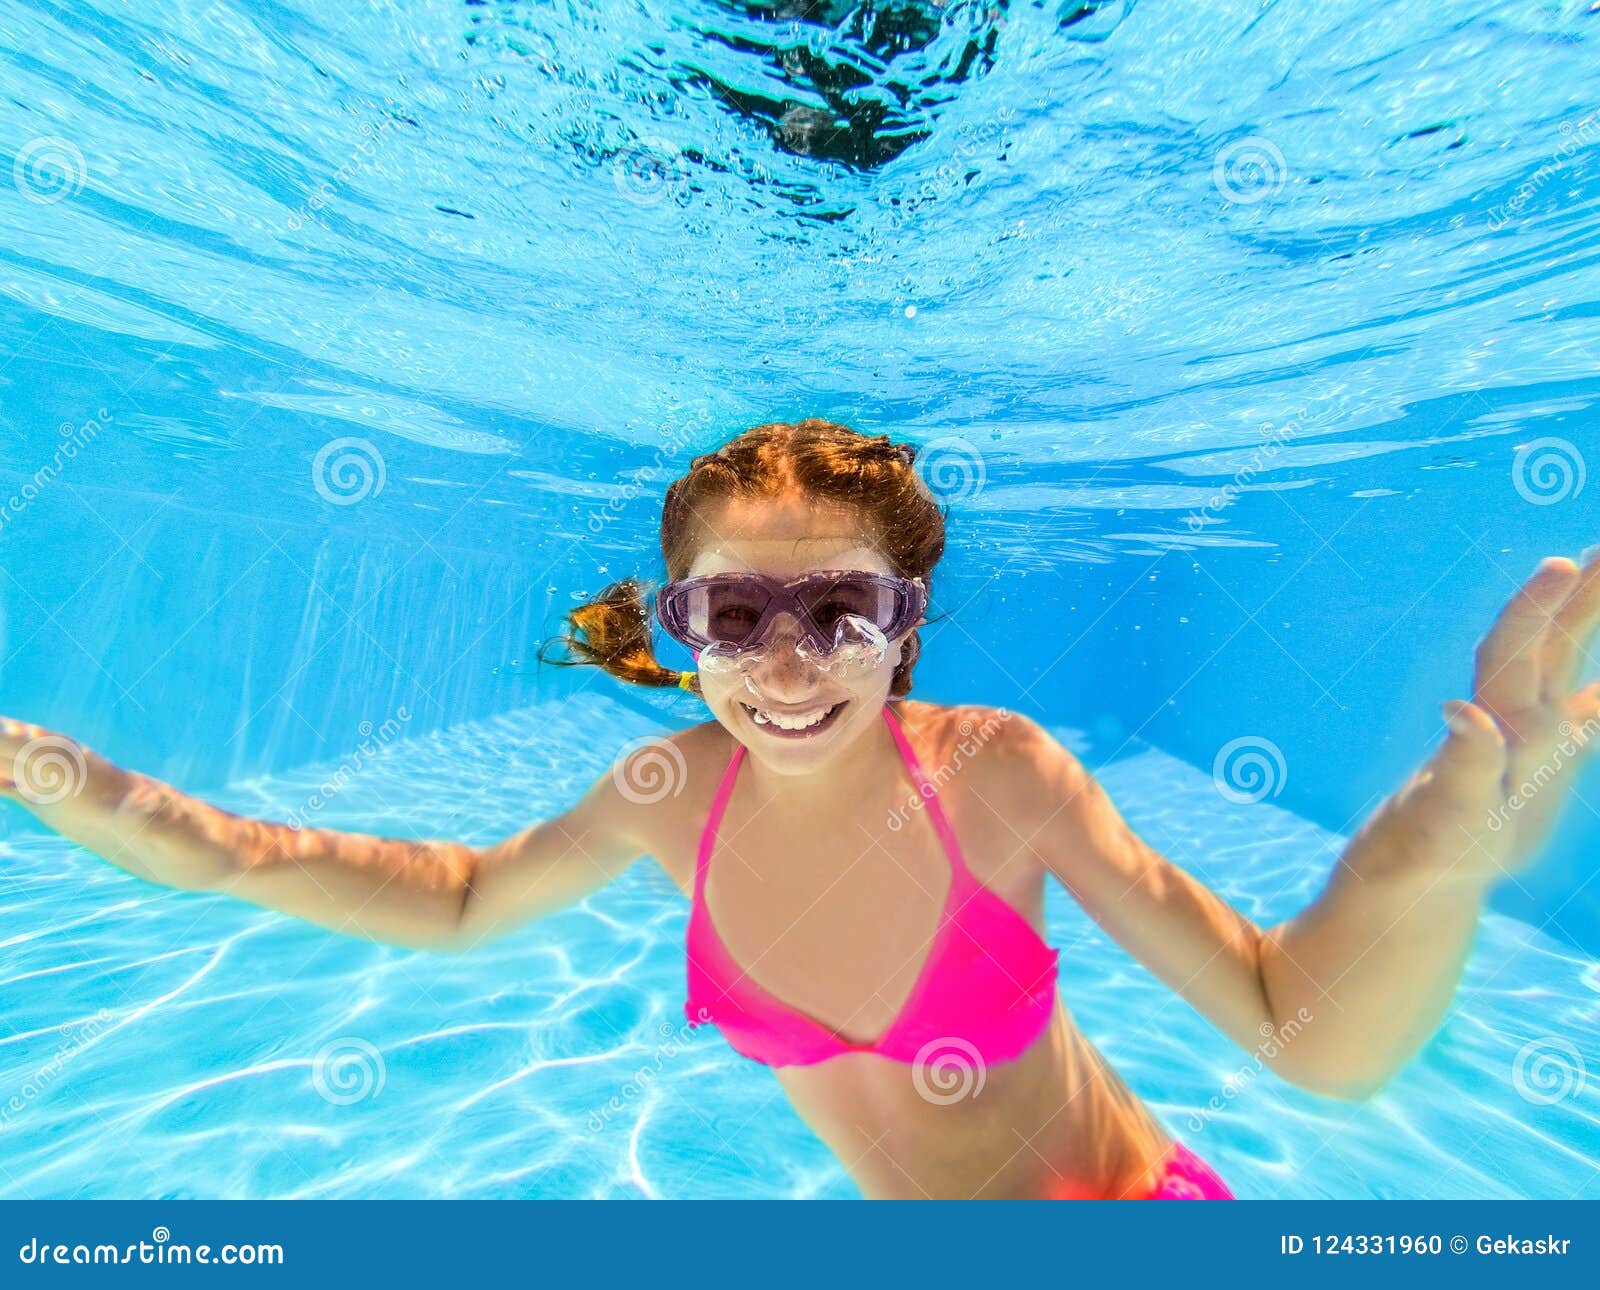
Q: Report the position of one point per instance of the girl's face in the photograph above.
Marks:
(785, 539)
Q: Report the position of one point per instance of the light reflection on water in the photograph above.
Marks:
(246, 1055)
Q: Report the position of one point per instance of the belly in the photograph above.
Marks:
(1057, 1121)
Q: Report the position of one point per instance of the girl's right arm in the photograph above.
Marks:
(420, 894)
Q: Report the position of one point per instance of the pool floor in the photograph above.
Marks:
(167, 1044)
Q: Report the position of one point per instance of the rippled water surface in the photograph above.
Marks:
(1254, 346)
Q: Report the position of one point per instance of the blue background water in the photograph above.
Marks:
(1222, 331)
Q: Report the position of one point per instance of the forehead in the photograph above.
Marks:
(784, 538)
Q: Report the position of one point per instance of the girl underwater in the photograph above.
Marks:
(861, 961)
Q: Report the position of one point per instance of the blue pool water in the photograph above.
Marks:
(1254, 348)
(241, 1055)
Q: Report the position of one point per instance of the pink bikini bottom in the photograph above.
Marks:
(1181, 1175)
(1187, 1177)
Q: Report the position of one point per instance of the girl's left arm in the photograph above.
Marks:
(1345, 993)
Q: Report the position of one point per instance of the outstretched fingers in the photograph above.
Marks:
(14, 737)
(1567, 644)
(1583, 715)
(1512, 658)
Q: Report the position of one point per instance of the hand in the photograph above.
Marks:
(1485, 802)
(1526, 688)
(39, 767)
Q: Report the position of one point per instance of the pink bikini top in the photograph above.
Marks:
(986, 989)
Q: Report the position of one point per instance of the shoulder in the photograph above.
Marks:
(1009, 734)
(658, 782)
(1015, 763)
(671, 765)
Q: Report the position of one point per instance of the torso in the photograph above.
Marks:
(818, 910)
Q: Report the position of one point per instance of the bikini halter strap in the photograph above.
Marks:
(708, 835)
(927, 792)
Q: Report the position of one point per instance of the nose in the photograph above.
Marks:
(782, 673)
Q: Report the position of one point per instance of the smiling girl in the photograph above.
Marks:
(896, 979)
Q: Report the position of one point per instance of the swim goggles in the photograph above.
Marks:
(843, 619)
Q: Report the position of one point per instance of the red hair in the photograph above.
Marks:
(816, 459)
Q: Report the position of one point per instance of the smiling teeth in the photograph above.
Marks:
(765, 718)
